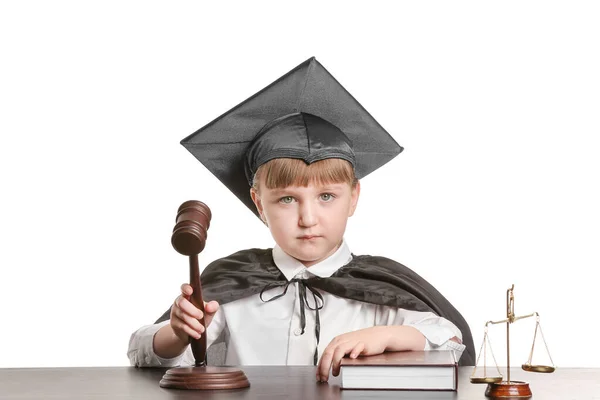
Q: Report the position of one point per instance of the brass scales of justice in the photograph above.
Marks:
(188, 238)
(497, 386)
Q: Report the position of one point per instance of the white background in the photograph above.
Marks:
(497, 105)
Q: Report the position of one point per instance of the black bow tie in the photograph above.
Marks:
(318, 298)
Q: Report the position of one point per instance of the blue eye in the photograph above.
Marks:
(327, 197)
(286, 199)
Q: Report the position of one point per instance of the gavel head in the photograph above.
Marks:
(192, 222)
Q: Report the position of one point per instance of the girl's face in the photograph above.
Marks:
(308, 223)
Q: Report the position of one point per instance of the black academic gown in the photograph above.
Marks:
(376, 280)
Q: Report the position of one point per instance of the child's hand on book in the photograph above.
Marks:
(367, 342)
(185, 316)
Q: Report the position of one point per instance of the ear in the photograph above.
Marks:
(354, 198)
(258, 203)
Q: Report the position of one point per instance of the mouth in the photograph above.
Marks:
(308, 237)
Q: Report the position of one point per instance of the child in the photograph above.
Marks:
(309, 300)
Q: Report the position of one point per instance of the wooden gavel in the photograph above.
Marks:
(189, 238)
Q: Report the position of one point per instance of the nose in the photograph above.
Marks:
(307, 215)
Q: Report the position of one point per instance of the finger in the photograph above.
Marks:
(186, 319)
(339, 353)
(178, 313)
(357, 350)
(186, 290)
(328, 358)
(188, 308)
(211, 307)
(180, 326)
(325, 364)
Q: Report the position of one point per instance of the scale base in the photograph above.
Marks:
(508, 390)
(204, 378)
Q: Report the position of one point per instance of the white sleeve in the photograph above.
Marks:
(141, 350)
(437, 330)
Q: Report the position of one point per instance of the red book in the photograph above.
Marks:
(402, 370)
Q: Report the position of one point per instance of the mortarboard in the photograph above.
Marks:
(305, 114)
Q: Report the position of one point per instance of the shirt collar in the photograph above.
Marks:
(290, 267)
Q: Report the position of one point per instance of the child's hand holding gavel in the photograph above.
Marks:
(185, 317)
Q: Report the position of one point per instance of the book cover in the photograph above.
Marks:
(402, 370)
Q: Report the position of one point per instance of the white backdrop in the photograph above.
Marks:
(497, 105)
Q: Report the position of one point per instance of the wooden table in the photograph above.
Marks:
(288, 383)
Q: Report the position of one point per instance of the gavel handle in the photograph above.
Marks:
(198, 345)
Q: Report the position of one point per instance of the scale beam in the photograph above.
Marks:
(497, 387)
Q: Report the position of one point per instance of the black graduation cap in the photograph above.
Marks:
(305, 114)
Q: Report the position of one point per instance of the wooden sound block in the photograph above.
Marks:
(204, 378)
(508, 390)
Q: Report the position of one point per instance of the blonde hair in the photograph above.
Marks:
(283, 172)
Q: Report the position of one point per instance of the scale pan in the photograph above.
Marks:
(486, 379)
(538, 368)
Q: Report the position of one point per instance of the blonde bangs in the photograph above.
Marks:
(283, 172)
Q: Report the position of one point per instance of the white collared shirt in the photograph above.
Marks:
(269, 333)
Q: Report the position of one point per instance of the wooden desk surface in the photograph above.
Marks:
(288, 383)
